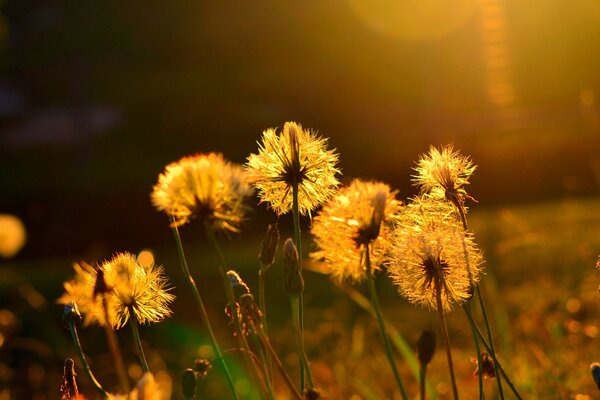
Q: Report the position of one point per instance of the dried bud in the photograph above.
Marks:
(595, 368)
(100, 287)
(71, 314)
(269, 246)
(68, 388)
(188, 383)
(294, 284)
(251, 314)
(202, 366)
(312, 394)
(378, 214)
(487, 366)
(426, 347)
(239, 286)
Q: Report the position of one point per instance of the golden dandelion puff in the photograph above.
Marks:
(12, 235)
(296, 156)
(444, 173)
(428, 255)
(203, 186)
(130, 288)
(359, 215)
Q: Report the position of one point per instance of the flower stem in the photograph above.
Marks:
(381, 324)
(422, 372)
(301, 351)
(286, 377)
(463, 218)
(203, 313)
(86, 367)
(438, 295)
(298, 240)
(138, 342)
(115, 351)
(479, 358)
(262, 303)
(496, 362)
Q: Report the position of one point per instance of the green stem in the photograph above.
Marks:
(381, 324)
(203, 313)
(298, 240)
(300, 343)
(496, 362)
(438, 295)
(263, 360)
(138, 342)
(422, 372)
(86, 367)
(463, 218)
(479, 358)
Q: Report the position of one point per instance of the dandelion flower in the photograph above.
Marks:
(204, 186)
(132, 288)
(428, 255)
(294, 157)
(357, 216)
(443, 173)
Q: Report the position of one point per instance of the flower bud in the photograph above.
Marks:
(426, 347)
(239, 286)
(202, 366)
(269, 246)
(595, 368)
(71, 314)
(188, 383)
(100, 287)
(68, 388)
(294, 284)
(312, 394)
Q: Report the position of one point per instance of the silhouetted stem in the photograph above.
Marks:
(463, 218)
(138, 342)
(202, 308)
(262, 302)
(300, 343)
(496, 362)
(438, 295)
(84, 363)
(422, 372)
(115, 350)
(381, 324)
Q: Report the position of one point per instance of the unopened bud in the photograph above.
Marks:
(269, 246)
(71, 314)
(312, 394)
(487, 366)
(188, 383)
(378, 216)
(595, 368)
(239, 286)
(294, 284)
(426, 347)
(100, 287)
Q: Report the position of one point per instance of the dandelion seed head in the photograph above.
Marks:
(444, 173)
(428, 255)
(295, 156)
(206, 187)
(129, 287)
(358, 215)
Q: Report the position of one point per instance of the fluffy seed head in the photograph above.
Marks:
(292, 157)
(203, 186)
(428, 255)
(358, 215)
(128, 287)
(443, 173)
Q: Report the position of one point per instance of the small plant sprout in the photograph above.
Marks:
(425, 351)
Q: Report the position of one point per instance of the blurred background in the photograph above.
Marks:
(96, 97)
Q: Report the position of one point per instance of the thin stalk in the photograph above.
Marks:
(496, 362)
(463, 218)
(422, 373)
(381, 324)
(203, 313)
(438, 295)
(298, 240)
(84, 363)
(232, 306)
(286, 377)
(479, 358)
(115, 350)
(301, 352)
(262, 303)
(138, 342)
(268, 386)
